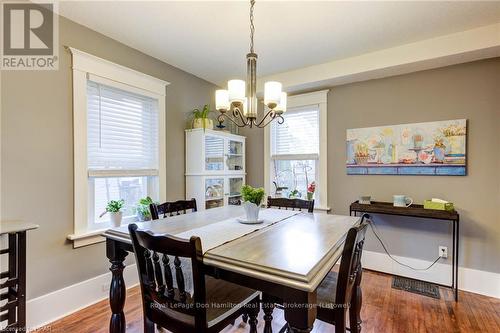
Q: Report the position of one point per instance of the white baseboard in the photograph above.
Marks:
(48, 308)
(473, 280)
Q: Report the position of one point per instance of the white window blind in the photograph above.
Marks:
(122, 131)
(298, 135)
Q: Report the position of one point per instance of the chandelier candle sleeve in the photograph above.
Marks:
(272, 94)
(281, 107)
(236, 91)
(222, 100)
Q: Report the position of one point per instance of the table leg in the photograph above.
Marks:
(453, 257)
(456, 261)
(117, 291)
(300, 313)
(21, 284)
(267, 307)
(356, 302)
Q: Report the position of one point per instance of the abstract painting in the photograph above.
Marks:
(432, 148)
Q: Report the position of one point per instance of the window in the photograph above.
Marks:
(122, 149)
(296, 150)
(119, 142)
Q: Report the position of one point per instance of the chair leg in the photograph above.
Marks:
(253, 312)
(149, 326)
(340, 325)
(355, 308)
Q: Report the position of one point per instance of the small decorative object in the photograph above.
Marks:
(402, 201)
(438, 204)
(365, 200)
(114, 209)
(200, 118)
(252, 198)
(433, 148)
(294, 194)
(439, 150)
(418, 140)
(361, 154)
(142, 209)
(310, 191)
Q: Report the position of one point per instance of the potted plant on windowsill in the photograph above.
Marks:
(200, 118)
(143, 210)
(114, 209)
(252, 198)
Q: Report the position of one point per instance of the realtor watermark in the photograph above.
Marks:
(30, 36)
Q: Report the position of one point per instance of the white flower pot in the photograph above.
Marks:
(251, 211)
(203, 123)
(116, 218)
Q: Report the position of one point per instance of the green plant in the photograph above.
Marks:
(143, 207)
(253, 195)
(202, 114)
(294, 194)
(114, 206)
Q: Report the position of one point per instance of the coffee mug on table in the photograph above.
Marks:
(402, 201)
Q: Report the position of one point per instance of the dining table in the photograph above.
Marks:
(286, 257)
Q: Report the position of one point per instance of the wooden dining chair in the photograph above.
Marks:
(172, 307)
(172, 208)
(335, 293)
(294, 204)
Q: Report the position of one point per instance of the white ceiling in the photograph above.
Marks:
(210, 39)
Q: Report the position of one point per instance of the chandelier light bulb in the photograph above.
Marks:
(236, 90)
(222, 100)
(281, 107)
(272, 94)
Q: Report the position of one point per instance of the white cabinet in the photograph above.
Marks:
(215, 167)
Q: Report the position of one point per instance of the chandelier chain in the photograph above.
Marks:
(252, 26)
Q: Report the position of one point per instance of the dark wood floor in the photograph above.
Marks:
(385, 310)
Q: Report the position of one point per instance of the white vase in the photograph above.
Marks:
(251, 211)
(116, 218)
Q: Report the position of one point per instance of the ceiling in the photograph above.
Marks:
(210, 39)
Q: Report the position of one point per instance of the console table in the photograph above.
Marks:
(14, 311)
(418, 211)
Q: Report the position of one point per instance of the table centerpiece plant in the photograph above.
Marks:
(252, 199)
(114, 209)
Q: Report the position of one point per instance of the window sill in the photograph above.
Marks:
(87, 238)
(321, 209)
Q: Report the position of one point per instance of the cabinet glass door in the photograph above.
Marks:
(235, 155)
(234, 195)
(214, 192)
(214, 153)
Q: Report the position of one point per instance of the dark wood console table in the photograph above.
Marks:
(418, 211)
(14, 311)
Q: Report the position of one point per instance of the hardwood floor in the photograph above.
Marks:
(384, 310)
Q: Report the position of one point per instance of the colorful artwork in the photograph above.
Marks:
(433, 148)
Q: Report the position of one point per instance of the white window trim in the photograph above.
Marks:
(88, 66)
(314, 98)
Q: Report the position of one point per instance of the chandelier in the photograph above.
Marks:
(239, 102)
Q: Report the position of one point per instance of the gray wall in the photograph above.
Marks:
(37, 153)
(471, 91)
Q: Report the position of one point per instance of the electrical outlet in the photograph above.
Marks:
(443, 252)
